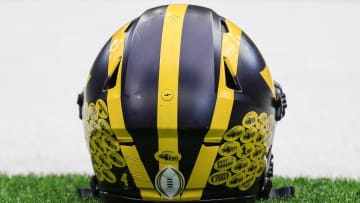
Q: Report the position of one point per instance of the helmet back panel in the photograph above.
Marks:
(178, 106)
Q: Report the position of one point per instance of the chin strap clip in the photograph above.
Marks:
(283, 192)
(268, 191)
(93, 191)
(279, 102)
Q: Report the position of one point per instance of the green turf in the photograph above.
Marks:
(61, 188)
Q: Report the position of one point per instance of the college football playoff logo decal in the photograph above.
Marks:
(169, 182)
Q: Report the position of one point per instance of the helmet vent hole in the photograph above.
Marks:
(110, 81)
(231, 81)
(129, 26)
(224, 27)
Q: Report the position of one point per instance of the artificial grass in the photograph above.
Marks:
(320, 190)
(62, 188)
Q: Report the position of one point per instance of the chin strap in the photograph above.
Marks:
(282, 192)
(84, 192)
(93, 191)
(268, 191)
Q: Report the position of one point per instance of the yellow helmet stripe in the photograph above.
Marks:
(138, 172)
(223, 106)
(265, 74)
(114, 94)
(131, 154)
(221, 116)
(200, 173)
(167, 106)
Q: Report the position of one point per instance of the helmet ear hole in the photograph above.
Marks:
(110, 81)
(129, 26)
(224, 27)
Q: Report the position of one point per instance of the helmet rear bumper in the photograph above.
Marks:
(108, 197)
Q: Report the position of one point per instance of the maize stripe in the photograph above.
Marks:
(138, 173)
(131, 154)
(221, 116)
(265, 74)
(114, 94)
(168, 80)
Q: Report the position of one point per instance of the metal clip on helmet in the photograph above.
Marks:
(180, 106)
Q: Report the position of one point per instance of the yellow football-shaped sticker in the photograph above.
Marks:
(241, 166)
(93, 115)
(104, 127)
(225, 163)
(247, 183)
(245, 150)
(250, 119)
(262, 121)
(219, 177)
(110, 143)
(258, 153)
(117, 160)
(102, 160)
(235, 180)
(250, 135)
(234, 133)
(109, 176)
(101, 109)
(229, 148)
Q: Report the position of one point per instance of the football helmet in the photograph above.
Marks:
(180, 105)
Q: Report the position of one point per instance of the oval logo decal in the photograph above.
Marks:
(225, 163)
(167, 157)
(247, 183)
(241, 166)
(229, 148)
(235, 180)
(219, 177)
(234, 133)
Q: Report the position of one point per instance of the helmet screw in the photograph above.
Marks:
(167, 95)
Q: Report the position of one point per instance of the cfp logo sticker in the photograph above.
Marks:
(169, 182)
